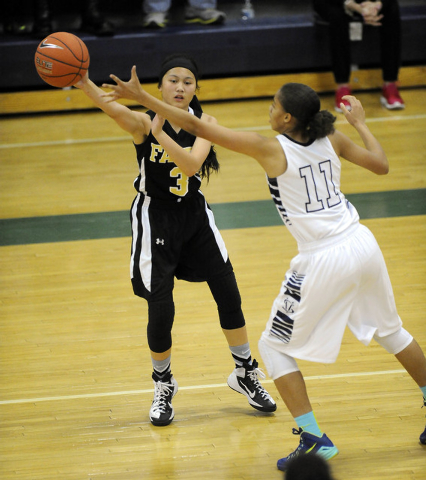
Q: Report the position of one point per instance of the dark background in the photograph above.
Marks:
(282, 38)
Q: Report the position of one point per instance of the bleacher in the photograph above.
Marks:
(283, 38)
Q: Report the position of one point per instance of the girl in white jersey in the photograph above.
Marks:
(339, 278)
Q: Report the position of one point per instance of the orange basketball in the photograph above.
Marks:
(62, 59)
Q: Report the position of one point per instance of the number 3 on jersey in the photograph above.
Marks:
(181, 188)
(320, 188)
(159, 155)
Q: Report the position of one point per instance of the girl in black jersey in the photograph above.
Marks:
(339, 278)
(174, 233)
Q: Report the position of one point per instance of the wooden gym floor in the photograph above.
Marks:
(75, 376)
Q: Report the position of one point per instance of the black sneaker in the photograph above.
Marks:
(423, 435)
(161, 412)
(245, 380)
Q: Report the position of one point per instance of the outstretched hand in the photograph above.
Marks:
(132, 90)
(356, 114)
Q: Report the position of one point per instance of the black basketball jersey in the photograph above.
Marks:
(159, 177)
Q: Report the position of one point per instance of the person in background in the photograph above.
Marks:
(196, 11)
(92, 21)
(384, 15)
(339, 278)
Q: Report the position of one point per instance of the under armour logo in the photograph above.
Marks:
(160, 240)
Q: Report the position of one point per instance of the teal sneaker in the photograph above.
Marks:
(310, 443)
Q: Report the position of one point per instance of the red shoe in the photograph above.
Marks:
(391, 99)
(341, 92)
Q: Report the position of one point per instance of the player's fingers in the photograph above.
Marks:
(116, 79)
(352, 100)
(345, 111)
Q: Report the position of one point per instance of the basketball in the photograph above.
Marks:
(62, 59)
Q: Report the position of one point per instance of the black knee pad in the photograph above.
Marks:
(228, 299)
(160, 323)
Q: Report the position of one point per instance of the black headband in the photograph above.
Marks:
(182, 62)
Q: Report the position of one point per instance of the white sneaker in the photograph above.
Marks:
(245, 380)
(161, 412)
(205, 16)
(155, 20)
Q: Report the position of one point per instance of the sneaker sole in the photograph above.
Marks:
(396, 106)
(328, 453)
(332, 452)
(154, 26)
(157, 423)
(214, 21)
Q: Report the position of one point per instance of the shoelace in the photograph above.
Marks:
(162, 391)
(299, 449)
(254, 377)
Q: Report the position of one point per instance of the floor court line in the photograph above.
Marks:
(127, 138)
(190, 387)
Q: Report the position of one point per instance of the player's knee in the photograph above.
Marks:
(160, 323)
(277, 363)
(160, 343)
(230, 320)
(228, 300)
(395, 342)
(231, 315)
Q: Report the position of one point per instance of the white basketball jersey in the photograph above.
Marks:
(307, 195)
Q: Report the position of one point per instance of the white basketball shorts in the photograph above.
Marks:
(333, 283)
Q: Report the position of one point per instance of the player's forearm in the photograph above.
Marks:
(183, 119)
(188, 163)
(96, 95)
(374, 147)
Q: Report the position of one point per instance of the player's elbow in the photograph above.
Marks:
(383, 168)
(190, 172)
(379, 164)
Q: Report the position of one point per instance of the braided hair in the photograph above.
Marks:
(303, 103)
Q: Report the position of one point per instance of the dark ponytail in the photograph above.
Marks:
(211, 163)
(303, 103)
(321, 125)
